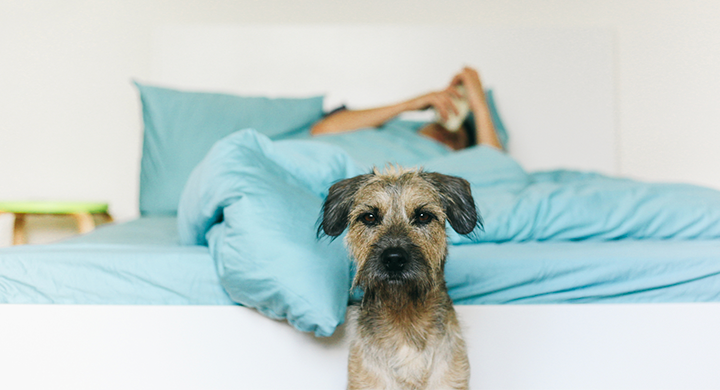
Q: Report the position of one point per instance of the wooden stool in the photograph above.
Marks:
(82, 212)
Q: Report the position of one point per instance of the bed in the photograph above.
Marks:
(130, 306)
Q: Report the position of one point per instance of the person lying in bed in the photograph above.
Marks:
(483, 133)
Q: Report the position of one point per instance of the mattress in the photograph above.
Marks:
(135, 263)
(141, 262)
(619, 271)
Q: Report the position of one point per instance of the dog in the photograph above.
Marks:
(404, 333)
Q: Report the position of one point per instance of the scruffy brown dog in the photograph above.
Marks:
(404, 334)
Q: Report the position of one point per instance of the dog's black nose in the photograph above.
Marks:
(394, 259)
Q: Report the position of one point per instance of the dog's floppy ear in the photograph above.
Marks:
(457, 201)
(335, 210)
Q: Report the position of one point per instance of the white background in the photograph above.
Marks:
(70, 120)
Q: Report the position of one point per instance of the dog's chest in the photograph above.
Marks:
(407, 364)
(406, 361)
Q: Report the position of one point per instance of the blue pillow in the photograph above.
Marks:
(255, 203)
(180, 128)
(482, 166)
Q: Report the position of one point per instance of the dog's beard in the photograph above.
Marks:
(397, 295)
(409, 287)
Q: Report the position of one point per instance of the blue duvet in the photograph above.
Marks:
(566, 205)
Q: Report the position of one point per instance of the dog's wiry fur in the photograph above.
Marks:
(405, 334)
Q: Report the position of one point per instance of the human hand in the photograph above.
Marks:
(470, 79)
(441, 101)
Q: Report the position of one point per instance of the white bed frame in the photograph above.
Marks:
(555, 90)
(643, 346)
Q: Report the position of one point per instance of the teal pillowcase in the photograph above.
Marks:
(181, 127)
(482, 166)
(255, 203)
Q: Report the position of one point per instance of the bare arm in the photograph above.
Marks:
(485, 133)
(349, 120)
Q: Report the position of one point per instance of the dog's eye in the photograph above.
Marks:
(423, 217)
(369, 218)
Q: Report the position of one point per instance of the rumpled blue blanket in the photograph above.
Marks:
(568, 205)
(255, 203)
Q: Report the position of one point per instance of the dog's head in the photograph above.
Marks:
(396, 224)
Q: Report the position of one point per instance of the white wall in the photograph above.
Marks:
(70, 121)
